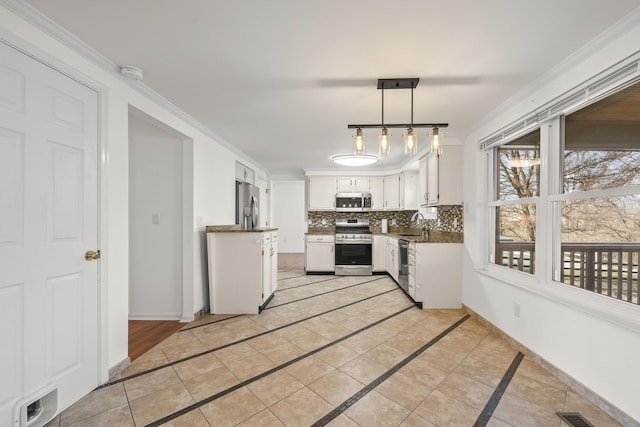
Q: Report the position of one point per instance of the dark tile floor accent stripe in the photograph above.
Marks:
(272, 370)
(324, 293)
(193, 356)
(492, 404)
(382, 378)
(292, 277)
(209, 323)
(306, 284)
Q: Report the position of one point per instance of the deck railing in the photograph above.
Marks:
(605, 268)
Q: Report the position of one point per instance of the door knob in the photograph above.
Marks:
(91, 255)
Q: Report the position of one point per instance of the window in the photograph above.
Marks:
(575, 180)
(599, 207)
(517, 189)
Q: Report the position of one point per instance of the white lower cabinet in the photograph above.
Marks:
(437, 274)
(392, 258)
(319, 253)
(379, 253)
(411, 260)
(243, 268)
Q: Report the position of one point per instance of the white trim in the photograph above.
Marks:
(510, 202)
(103, 152)
(51, 28)
(592, 194)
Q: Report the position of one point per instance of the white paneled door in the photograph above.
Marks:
(48, 221)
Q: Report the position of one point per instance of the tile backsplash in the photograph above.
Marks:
(450, 218)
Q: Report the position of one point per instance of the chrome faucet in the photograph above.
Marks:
(415, 218)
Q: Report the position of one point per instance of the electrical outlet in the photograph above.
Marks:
(155, 219)
(516, 309)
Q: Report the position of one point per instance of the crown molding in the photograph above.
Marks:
(604, 39)
(45, 24)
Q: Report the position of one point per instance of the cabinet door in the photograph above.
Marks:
(376, 187)
(322, 193)
(274, 262)
(379, 253)
(266, 267)
(345, 185)
(361, 185)
(432, 179)
(392, 258)
(391, 185)
(320, 257)
(422, 181)
(409, 190)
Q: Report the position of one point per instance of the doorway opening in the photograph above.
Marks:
(160, 230)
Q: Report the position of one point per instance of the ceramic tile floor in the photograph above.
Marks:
(321, 341)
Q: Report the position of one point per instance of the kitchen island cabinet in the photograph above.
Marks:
(436, 277)
(242, 269)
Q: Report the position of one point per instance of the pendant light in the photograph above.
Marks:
(410, 139)
(384, 140)
(435, 141)
(358, 143)
(410, 142)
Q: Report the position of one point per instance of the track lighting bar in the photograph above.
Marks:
(398, 125)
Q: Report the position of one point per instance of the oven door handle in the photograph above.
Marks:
(354, 242)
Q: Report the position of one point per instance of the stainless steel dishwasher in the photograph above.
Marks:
(403, 264)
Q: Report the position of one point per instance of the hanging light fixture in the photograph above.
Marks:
(410, 139)
(435, 141)
(384, 140)
(358, 143)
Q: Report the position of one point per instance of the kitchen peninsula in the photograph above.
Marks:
(243, 268)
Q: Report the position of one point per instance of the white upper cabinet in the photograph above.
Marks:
(391, 184)
(441, 177)
(353, 185)
(409, 190)
(376, 188)
(322, 193)
(245, 174)
(401, 191)
(422, 181)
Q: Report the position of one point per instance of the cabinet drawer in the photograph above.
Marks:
(322, 238)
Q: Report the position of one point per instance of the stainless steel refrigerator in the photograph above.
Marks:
(247, 206)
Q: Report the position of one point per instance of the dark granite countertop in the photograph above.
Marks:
(411, 234)
(234, 229)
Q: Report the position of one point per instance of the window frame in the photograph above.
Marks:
(550, 119)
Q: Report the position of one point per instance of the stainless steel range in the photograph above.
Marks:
(354, 247)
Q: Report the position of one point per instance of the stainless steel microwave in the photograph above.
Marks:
(353, 202)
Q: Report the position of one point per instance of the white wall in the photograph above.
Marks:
(597, 346)
(155, 247)
(213, 172)
(288, 215)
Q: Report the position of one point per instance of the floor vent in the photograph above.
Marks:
(574, 419)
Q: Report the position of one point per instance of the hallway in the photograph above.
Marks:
(332, 350)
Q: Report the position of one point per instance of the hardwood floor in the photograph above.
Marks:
(144, 334)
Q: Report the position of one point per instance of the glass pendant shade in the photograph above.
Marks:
(358, 142)
(410, 142)
(384, 142)
(435, 141)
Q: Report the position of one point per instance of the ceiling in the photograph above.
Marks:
(280, 80)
